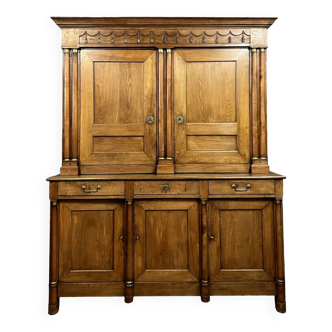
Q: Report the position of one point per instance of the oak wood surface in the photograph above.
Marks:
(118, 90)
(211, 87)
(241, 246)
(161, 228)
(165, 121)
(153, 177)
(92, 246)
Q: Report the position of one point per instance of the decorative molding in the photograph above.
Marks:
(170, 37)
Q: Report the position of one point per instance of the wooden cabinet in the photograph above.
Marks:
(165, 187)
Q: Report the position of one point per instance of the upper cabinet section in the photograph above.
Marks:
(163, 32)
(164, 95)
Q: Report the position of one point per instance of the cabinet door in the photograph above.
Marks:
(241, 246)
(118, 93)
(166, 240)
(91, 241)
(211, 93)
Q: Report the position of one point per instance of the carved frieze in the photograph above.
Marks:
(167, 37)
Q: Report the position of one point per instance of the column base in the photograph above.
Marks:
(165, 166)
(69, 167)
(259, 166)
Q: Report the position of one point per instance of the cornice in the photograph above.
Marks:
(163, 22)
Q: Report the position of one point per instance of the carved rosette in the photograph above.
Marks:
(123, 37)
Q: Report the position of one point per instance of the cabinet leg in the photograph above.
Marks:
(280, 298)
(205, 291)
(129, 291)
(53, 303)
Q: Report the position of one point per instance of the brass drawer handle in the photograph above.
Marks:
(91, 191)
(166, 186)
(247, 188)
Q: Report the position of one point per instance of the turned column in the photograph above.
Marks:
(204, 272)
(70, 112)
(259, 162)
(53, 302)
(165, 155)
(280, 298)
(129, 281)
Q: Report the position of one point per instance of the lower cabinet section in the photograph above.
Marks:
(166, 247)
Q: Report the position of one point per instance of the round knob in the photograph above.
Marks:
(166, 186)
(248, 186)
(137, 238)
(211, 238)
(179, 119)
(121, 237)
(234, 186)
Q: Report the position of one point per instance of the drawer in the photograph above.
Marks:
(91, 188)
(241, 187)
(166, 187)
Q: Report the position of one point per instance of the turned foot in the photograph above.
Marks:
(205, 298)
(129, 292)
(53, 309)
(281, 308)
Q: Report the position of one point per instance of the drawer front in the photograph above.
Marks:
(241, 187)
(166, 187)
(91, 188)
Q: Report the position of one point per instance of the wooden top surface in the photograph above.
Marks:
(153, 177)
(84, 22)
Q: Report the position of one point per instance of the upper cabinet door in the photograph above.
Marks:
(211, 110)
(118, 111)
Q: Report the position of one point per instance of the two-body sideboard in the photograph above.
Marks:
(165, 187)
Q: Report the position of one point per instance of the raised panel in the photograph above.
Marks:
(211, 143)
(211, 92)
(91, 247)
(119, 93)
(241, 239)
(166, 240)
(118, 144)
(92, 240)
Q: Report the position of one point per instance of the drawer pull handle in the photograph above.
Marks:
(247, 188)
(166, 186)
(91, 191)
(211, 238)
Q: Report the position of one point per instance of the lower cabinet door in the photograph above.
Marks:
(91, 241)
(166, 240)
(241, 246)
